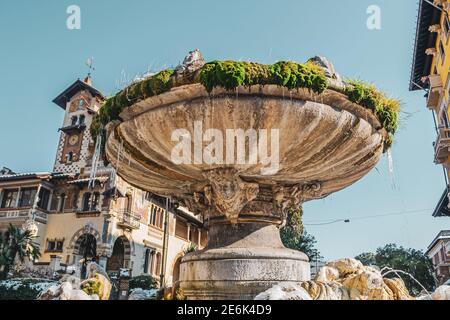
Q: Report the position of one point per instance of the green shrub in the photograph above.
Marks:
(23, 289)
(144, 281)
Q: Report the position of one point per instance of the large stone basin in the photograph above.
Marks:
(326, 143)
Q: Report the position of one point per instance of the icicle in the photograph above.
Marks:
(391, 168)
(116, 169)
(95, 162)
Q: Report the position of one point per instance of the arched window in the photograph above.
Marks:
(73, 120)
(158, 264)
(82, 118)
(148, 261)
(70, 157)
(86, 201)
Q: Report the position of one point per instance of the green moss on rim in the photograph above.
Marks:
(386, 109)
(292, 75)
(232, 74)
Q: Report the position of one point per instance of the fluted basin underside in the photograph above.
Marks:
(326, 142)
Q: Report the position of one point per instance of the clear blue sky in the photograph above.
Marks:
(40, 57)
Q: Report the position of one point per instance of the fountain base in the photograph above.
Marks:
(245, 260)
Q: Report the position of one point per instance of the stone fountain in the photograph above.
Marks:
(318, 144)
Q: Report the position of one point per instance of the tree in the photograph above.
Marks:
(412, 261)
(16, 243)
(295, 237)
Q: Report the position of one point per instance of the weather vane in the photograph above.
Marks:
(90, 63)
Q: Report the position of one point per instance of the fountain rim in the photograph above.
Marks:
(332, 96)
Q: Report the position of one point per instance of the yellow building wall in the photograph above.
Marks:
(443, 67)
(66, 225)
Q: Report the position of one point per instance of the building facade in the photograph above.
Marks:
(430, 73)
(439, 252)
(84, 210)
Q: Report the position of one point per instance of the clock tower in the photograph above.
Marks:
(80, 101)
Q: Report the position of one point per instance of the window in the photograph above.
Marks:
(193, 236)
(158, 264)
(73, 120)
(69, 157)
(80, 104)
(82, 119)
(156, 216)
(446, 27)
(55, 245)
(86, 201)
(10, 198)
(27, 197)
(149, 260)
(181, 229)
(441, 52)
(95, 201)
(62, 202)
(44, 198)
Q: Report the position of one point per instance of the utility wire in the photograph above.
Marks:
(347, 220)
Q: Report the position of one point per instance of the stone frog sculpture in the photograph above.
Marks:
(345, 279)
(97, 286)
(328, 67)
(192, 62)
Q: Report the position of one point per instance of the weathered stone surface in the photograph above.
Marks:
(347, 279)
(96, 287)
(441, 293)
(248, 260)
(326, 143)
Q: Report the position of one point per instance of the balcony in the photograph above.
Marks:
(442, 146)
(10, 215)
(82, 213)
(435, 92)
(128, 220)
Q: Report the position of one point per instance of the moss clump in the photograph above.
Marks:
(386, 109)
(226, 74)
(113, 106)
(292, 75)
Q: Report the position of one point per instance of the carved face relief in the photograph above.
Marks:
(229, 193)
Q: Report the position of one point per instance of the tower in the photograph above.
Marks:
(80, 101)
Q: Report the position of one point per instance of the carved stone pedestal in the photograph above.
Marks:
(240, 262)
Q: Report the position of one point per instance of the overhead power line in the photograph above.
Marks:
(348, 220)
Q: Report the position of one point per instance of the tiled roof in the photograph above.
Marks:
(28, 175)
(76, 87)
(443, 235)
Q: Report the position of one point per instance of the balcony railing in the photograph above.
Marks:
(127, 219)
(435, 92)
(87, 212)
(442, 146)
(22, 214)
